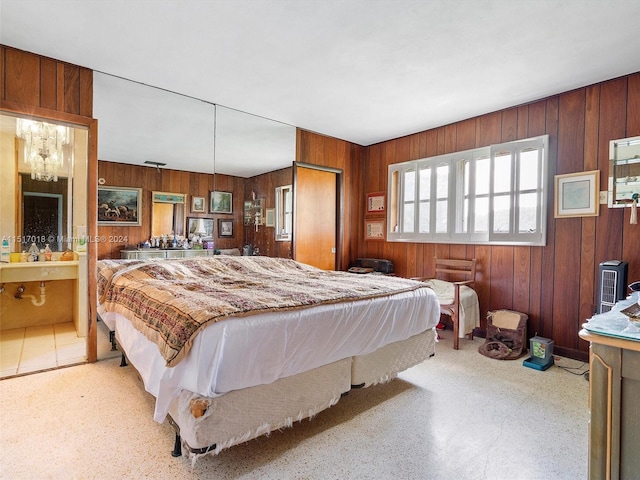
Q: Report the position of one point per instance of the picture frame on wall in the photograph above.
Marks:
(198, 205)
(221, 202)
(577, 194)
(225, 228)
(270, 217)
(196, 225)
(376, 203)
(374, 229)
(119, 206)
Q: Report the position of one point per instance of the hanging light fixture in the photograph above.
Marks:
(43, 144)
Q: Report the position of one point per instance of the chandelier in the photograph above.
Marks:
(43, 144)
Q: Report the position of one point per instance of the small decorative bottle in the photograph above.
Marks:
(33, 252)
(47, 253)
(6, 251)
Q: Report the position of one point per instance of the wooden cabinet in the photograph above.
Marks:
(614, 401)
(156, 253)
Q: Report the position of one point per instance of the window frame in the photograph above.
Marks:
(284, 213)
(461, 186)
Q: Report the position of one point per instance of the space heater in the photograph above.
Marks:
(612, 284)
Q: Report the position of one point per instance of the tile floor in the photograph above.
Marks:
(30, 349)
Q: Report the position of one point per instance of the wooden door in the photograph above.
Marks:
(314, 241)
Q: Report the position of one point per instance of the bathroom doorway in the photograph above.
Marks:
(45, 321)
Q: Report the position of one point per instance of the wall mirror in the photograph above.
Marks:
(624, 171)
(141, 123)
(168, 214)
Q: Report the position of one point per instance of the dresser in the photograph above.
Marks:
(614, 401)
(144, 253)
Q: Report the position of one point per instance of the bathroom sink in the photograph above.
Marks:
(38, 271)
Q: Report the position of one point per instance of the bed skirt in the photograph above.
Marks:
(209, 425)
(385, 363)
(242, 415)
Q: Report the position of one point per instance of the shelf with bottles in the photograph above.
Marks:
(253, 212)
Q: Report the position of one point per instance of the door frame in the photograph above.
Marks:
(91, 125)
(339, 227)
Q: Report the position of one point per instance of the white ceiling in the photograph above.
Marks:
(359, 70)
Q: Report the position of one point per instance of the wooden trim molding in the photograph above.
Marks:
(609, 409)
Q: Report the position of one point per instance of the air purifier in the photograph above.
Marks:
(612, 284)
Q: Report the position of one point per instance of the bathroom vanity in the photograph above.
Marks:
(38, 271)
(45, 285)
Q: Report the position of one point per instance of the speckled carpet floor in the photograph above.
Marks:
(456, 416)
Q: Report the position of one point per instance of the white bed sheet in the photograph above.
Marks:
(258, 349)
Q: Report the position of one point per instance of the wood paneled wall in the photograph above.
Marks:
(33, 81)
(316, 149)
(264, 187)
(193, 184)
(177, 181)
(555, 285)
(312, 148)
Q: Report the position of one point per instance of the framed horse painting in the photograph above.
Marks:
(119, 206)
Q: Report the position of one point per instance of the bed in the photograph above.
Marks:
(235, 347)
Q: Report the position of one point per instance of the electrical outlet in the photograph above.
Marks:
(603, 198)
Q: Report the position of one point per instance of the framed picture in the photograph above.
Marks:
(577, 194)
(221, 202)
(119, 206)
(374, 229)
(270, 217)
(375, 202)
(225, 228)
(198, 205)
(196, 226)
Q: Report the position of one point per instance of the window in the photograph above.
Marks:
(284, 212)
(495, 194)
